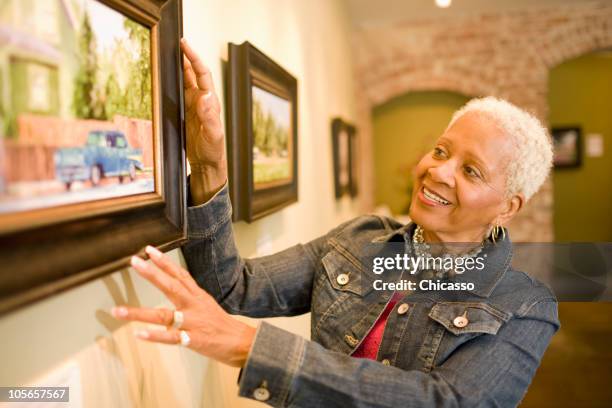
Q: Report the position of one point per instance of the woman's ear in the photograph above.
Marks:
(513, 206)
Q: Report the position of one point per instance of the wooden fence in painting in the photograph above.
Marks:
(29, 157)
(27, 162)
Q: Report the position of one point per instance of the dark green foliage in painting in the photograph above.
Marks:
(270, 137)
(115, 100)
(86, 103)
(97, 96)
(138, 92)
(259, 134)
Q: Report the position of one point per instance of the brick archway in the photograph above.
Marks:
(396, 85)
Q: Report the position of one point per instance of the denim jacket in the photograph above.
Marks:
(424, 358)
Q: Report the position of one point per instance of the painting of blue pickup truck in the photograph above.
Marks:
(105, 154)
(76, 106)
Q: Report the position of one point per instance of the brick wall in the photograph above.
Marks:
(505, 54)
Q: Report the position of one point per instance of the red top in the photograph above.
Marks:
(371, 343)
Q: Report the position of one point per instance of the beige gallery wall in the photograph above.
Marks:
(71, 340)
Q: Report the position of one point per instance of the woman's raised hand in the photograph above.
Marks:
(205, 135)
(212, 332)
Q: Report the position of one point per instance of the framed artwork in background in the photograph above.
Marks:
(262, 134)
(92, 164)
(567, 146)
(345, 161)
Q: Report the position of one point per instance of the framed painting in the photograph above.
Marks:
(262, 134)
(92, 165)
(567, 146)
(345, 161)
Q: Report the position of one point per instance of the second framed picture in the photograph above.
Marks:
(262, 134)
(345, 161)
(567, 144)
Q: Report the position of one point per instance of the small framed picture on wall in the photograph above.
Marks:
(567, 146)
(262, 134)
(345, 161)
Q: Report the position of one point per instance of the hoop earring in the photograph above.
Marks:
(496, 232)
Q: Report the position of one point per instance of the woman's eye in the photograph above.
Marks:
(438, 152)
(471, 172)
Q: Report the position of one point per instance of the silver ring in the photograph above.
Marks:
(207, 95)
(185, 339)
(178, 319)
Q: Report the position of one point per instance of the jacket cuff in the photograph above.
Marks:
(275, 357)
(204, 220)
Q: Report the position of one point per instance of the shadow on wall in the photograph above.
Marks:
(114, 369)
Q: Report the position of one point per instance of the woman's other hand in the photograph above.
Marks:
(211, 330)
(205, 135)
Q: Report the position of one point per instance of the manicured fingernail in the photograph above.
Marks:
(153, 252)
(119, 311)
(143, 334)
(137, 262)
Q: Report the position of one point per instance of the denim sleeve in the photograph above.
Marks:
(488, 371)
(275, 285)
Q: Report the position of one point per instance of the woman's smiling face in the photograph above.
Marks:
(459, 188)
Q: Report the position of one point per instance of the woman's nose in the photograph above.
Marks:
(443, 174)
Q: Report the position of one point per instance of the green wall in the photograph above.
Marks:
(405, 128)
(580, 93)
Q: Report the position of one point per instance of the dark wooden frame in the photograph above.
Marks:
(247, 67)
(68, 245)
(337, 127)
(557, 132)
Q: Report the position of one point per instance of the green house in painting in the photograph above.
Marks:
(38, 59)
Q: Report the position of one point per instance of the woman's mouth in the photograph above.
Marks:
(432, 199)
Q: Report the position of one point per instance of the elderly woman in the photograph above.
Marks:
(435, 348)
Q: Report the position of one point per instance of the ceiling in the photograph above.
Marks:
(377, 12)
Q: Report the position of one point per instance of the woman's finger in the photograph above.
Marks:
(195, 99)
(160, 336)
(166, 265)
(190, 79)
(171, 287)
(190, 85)
(202, 73)
(163, 317)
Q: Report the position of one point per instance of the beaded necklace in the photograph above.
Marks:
(422, 249)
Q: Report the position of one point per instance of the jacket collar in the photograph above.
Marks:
(497, 260)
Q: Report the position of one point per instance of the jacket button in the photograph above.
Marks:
(403, 308)
(261, 394)
(461, 321)
(386, 362)
(342, 279)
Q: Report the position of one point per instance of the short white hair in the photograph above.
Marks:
(533, 154)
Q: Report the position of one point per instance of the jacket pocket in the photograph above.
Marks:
(343, 273)
(454, 324)
(468, 317)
